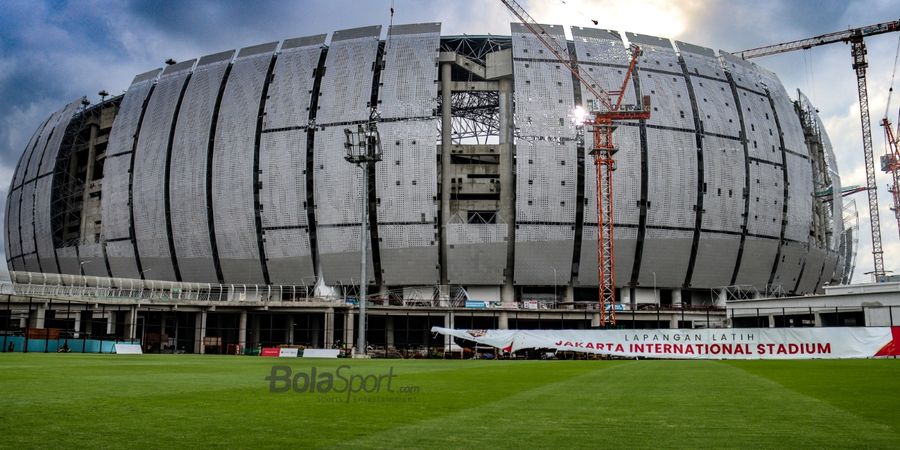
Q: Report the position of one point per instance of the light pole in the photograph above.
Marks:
(363, 148)
(81, 270)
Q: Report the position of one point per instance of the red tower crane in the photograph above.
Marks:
(890, 163)
(603, 150)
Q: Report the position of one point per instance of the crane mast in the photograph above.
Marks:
(855, 38)
(603, 150)
(890, 163)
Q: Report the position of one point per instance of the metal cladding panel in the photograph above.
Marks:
(291, 87)
(723, 178)
(762, 132)
(68, 260)
(409, 254)
(716, 254)
(338, 184)
(810, 278)
(92, 261)
(37, 153)
(26, 219)
(831, 259)
(234, 209)
(13, 224)
(715, 102)
(788, 119)
(544, 101)
(657, 53)
(701, 61)
(346, 86)
(526, 45)
(22, 166)
(626, 179)
(626, 242)
(667, 254)
(757, 261)
(541, 249)
(669, 98)
(409, 78)
(43, 234)
(598, 46)
(476, 253)
(6, 227)
(545, 182)
(406, 189)
(149, 178)
(289, 256)
(800, 198)
(672, 184)
(48, 160)
(121, 259)
(282, 165)
(339, 254)
(744, 73)
(792, 256)
(188, 175)
(766, 197)
(115, 212)
(407, 175)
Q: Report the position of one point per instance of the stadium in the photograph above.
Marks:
(224, 180)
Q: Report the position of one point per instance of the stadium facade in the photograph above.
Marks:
(229, 170)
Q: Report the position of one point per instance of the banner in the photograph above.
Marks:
(724, 343)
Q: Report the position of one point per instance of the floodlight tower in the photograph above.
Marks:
(363, 148)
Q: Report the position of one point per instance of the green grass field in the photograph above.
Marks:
(209, 401)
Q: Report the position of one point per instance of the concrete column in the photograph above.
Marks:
(88, 318)
(721, 298)
(569, 295)
(289, 332)
(77, 325)
(625, 293)
(40, 314)
(673, 321)
(242, 330)
(389, 331)
(111, 322)
(507, 186)
(676, 297)
(771, 321)
(349, 328)
(595, 320)
(131, 323)
(448, 323)
(329, 327)
(254, 331)
(200, 332)
(817, 319)
(503, 320)
(314, 327)
(446, 173)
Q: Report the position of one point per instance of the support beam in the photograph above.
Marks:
(242, 330)
(329, 327)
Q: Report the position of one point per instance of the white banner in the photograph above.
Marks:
(725, 343)
(288, 352)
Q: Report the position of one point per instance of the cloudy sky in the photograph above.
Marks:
(52, 52)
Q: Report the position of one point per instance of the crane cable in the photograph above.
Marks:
(887, 108)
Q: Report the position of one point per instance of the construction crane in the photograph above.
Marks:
(603, 150)
(890, 162)
(855, 38)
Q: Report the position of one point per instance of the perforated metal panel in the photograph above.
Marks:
(759, 122)
(626, 242)
(657, 53)
(666, 254)
(723, 177)
(744, 73)
(12, 218)
(541, 249)
(116, 178)
(757, 261)
(22, 167)
(701, 61)
(37, 154)
(766, 198)
(409, 79)
(672, 178)
(188, 176)
(715, 102)
(406, 190)
(347, 84)
(800, 198)
(814, 261)
(149, 178)
(91, 259)
(792, 255)
(340, 263)
(292, 83)
(234, 208)
(282, 196)
(68, 260)
(476, 253)
(716, 254)
(26, 223)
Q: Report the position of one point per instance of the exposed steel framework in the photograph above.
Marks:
(603, 151)
(855, 37)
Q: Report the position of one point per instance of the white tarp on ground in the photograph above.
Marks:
(726, 343)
